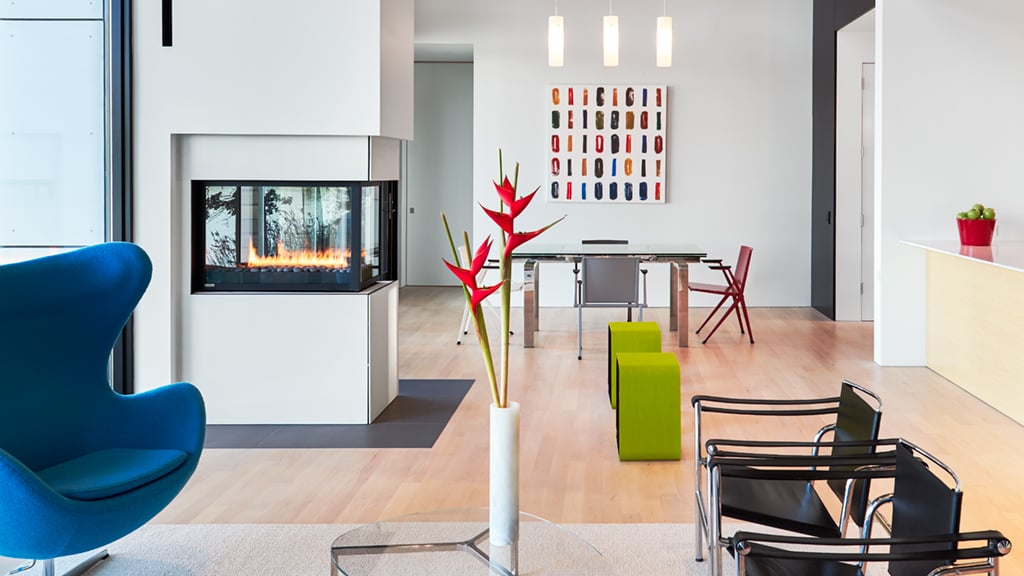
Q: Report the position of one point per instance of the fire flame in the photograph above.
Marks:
(329, 258)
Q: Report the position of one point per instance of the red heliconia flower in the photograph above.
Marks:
(517, 239)
(508, 196)
(468, 276)
(502, 219)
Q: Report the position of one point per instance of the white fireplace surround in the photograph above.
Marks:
(251, 91)
(282, 357)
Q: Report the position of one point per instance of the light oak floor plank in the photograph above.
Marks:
(570, 469)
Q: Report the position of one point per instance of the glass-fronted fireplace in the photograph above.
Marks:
(292, 236)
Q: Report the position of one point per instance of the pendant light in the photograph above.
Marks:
(556, 39)
(611, 38)
(664, 38)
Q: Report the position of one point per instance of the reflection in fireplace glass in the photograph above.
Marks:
(288, 236)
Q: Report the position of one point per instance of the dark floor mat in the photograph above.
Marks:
(414, 419)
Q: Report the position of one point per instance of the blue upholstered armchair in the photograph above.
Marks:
(80, 465)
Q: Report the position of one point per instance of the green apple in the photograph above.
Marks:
(973, 214)
(979, 207)
(961, 215)
(988, 214)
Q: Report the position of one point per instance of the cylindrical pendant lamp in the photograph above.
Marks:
(556, 41)
(664, 41)
(611, 40)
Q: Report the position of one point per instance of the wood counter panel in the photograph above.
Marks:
(975, 333)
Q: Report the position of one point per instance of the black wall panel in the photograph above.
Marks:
(829, 16)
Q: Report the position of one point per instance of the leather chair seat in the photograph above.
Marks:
(774, 567)
(786, 504)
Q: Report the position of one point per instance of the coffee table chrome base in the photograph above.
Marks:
(471, 546)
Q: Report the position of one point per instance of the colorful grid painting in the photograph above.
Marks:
(606, 143)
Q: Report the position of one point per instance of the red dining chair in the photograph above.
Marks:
(735, 282)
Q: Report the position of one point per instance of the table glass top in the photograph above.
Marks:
(442, 543)
(541, 250)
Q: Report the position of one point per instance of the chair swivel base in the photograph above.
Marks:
(78, 570)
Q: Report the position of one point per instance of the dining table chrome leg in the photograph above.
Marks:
(530, 312)
(681, 295)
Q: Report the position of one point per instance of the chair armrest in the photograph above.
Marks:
(711, 260)
(721, 267)
(990, 544)
(757, 463)
(710, 404)
(771, 448)
(171, 416)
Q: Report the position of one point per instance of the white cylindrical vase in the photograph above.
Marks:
(504, 510)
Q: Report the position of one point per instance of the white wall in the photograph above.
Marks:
(855, 45)
(739, 131)
(949, 121)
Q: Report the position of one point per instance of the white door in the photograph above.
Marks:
(439, 170)
(867, 197)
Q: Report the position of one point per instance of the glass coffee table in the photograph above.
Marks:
(454, 542)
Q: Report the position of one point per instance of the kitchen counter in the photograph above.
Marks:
(975, 310)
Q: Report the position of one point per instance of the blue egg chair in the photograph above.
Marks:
(81, 465)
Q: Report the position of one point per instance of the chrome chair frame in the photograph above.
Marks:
(984, 558)
(705, 529)
(637, 299)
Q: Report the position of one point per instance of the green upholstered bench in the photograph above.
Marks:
(647, 420)
(629, 337)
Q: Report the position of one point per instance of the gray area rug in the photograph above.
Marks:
(304, 549)
(415, 419)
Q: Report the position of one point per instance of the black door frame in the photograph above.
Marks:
(120, 179)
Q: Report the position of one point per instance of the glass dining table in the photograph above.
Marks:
(678, 255)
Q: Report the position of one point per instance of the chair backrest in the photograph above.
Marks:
(923, 505)
(603, 241)
(59, 318)
(742, 266)
(858, 420)
(610, 281)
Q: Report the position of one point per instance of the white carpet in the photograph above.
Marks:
(304, 549)
(301, 549)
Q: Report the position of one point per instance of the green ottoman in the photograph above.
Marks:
(647, 421)
(629, 337)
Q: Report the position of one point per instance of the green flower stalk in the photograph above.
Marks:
(508, 241)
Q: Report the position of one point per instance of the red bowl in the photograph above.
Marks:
(975, 232)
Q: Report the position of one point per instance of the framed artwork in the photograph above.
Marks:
(606, 143)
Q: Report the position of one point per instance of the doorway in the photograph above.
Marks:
(854, 161)
(438, 170)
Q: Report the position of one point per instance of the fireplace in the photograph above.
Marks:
(314, 236)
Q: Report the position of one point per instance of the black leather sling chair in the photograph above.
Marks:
(925, 537)
(787, 503)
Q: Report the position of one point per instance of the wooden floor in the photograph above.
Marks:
(570, 470)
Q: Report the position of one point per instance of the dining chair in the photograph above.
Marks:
(607, 282)
(613, 283)
(735, 284)
(481, 280)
